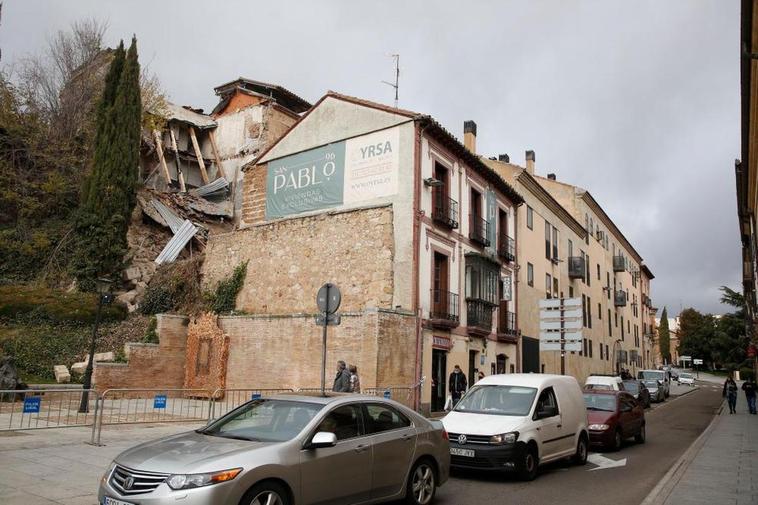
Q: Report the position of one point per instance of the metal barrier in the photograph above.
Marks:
(226, 400)
(136, 406)
(401, 394)
(33, 409)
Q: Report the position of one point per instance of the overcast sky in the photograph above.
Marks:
(636, 101)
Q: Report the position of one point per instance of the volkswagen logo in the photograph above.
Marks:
(462, 439)
(128, 483)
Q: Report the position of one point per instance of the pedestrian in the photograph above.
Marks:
(355, 381)
(480, 376)
(457, 384)
(730, 391)
(342, 379)
(749, 387)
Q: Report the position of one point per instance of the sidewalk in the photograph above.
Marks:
(720, 468)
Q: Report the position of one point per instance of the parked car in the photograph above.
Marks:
(613, 417)
(661, 375)
(674, 373)
(289, 449)
(608, 382)
(655, 388)
(517, 422)
(686, 378)
(637, 389)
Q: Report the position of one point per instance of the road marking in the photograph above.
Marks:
(602, 462)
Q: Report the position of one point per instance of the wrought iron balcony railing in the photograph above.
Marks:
(445, 306)
(618, 264)
(444, 210)
(577, 267)
(479, 230)
(619, 299)
(507, 323)
(506, 247)
(479, 314)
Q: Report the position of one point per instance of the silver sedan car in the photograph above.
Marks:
(289, 450)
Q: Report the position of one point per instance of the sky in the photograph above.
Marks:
(638, 102)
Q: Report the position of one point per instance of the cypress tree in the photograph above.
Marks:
(109, 194)
(664, 338)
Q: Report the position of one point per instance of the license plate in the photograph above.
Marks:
(467, 453)
(112, 501)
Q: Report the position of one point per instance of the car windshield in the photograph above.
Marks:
(652, 374)
(264, 421)
(685, 375)
(605, 403)
(499, 400)
(632, 386)
(651, 384)
(601, 387)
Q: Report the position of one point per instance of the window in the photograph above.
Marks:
(590, 348)
(608, 284)
(607, 357)
(616, 320)
(570, 248)
(610, 329)
(587, 270)
(584, 310)
(546, 402)
(599, 312)
(584, 260)
(547, 240)
(589, 312)
(584, 346)
(600, 348)
(598, 271)
(571, 291)
(482, 278)
(555, 243)
(628, 327)
(622, 327)
(587, 227)
(530, 274)
(548, 285)
(344, 422)
(529, 218)
(555, 287)
(384, 418)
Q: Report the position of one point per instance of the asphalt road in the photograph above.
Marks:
(671, 428)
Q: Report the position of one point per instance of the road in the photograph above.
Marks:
(671, 428)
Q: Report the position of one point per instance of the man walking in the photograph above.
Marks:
(342, 379)
(749, 387)
(457, 384)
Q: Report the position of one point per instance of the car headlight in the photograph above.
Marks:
(188, 481)
(598, 427)
(505, 438)
(108, 472)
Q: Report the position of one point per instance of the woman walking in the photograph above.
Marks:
(730, 391)
(355, 381)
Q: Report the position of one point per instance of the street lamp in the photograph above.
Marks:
(105, 297)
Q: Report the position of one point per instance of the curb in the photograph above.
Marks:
(663, 489)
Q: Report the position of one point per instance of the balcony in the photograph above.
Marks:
(479, 230)
(618, 264)
(506, 328)
(445, 309)
(619, 299)
(577, 267)
(479, 317)
(506, 248)
(444, 210)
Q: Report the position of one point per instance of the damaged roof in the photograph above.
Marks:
(282, 95)
(175, 112)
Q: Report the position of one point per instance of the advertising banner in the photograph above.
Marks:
(346, 172)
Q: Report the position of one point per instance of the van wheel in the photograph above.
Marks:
(527, 468)
(618, 440)
(580, 458)
(640, 437)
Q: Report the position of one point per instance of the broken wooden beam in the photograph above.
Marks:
(159, 146)
(179, 174)
(199, 155)
(219, 168)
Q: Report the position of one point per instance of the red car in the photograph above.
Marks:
(614, 416)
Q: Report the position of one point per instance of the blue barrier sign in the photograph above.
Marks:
(159, 402)
(256, 396)
(387, 394)
(32, 405)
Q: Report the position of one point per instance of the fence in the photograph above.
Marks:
(226, 400)
(45, 408)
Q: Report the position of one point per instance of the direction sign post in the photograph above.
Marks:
(328, 300)
(561, 326)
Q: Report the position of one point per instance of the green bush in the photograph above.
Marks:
(42, 304)
(151, 335)
(174, 288)
(223, 300)
(36, 349)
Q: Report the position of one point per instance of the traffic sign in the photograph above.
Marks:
(328, 298)
(556, 314)
(697, 361)
(159, 402)
(685, 358)
(574, 324)
(32, 405)
(548, 345)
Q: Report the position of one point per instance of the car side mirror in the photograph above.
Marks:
(323, 439)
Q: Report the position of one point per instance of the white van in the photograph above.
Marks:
(606, 382)
(517, 422)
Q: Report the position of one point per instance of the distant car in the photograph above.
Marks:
(637, 389)
(661, 375)
(686, 378)
(614, 416)
(655, 389)
(287, 450)
(612, 382)
(674, 373)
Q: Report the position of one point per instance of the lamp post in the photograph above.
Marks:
(105, 297)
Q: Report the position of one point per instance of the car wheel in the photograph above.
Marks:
(640, 437)
(580, 458)
(422, 484)
(527, 469)
(618, 440)
(266, 493)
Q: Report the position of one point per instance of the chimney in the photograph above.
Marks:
(469, 135)
(551, 177)
(530, 158)
(504, 158)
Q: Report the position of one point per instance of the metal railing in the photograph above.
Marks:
(479, 230)
(226, 400)
(445, 210)
(479, 314)
(576, 267)
(401, 394)
(33, 409)
(619, 299)
(444, 306)
(506, 247)
(507, 323)
(619, 264)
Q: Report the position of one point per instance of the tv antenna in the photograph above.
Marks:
(396, 84)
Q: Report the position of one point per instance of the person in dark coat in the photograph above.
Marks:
(457, 384)
(342, 379)
(730, 392)
(749, 387)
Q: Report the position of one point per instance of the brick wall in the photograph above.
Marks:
(254, 195)
(150, 365)
(290, 259)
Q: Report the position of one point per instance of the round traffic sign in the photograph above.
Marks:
(328, 298)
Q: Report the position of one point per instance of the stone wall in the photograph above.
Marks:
(290, 259)
(150, 365)
(285, 351)
(254, 195)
